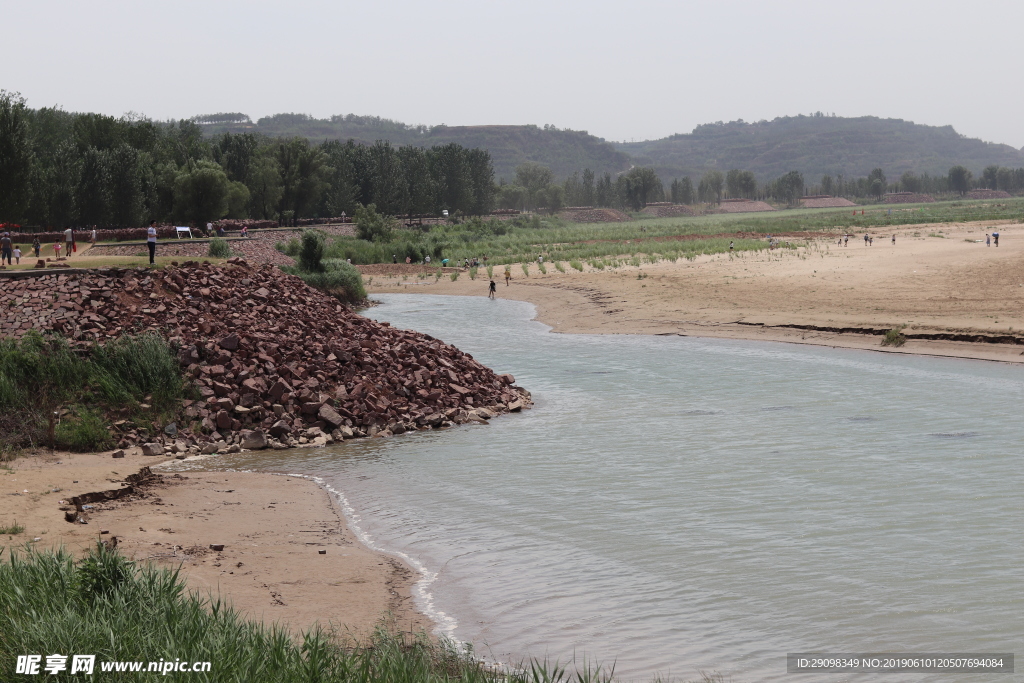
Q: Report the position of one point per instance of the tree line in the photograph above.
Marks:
(60, 169)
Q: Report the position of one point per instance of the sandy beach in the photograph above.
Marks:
(952, 295)
(272, 528)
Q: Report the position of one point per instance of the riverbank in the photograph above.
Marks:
(949, 293)
(272, 528)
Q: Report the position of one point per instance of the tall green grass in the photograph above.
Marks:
(118, 610)
(44, 380)
(218, 248)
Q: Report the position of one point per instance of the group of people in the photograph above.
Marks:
(990, 238)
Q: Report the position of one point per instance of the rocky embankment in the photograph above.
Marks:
(276, 363)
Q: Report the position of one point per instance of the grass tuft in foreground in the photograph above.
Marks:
(118, 610)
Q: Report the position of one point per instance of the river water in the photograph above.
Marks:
(676, 504)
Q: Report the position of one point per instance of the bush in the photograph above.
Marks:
(85, 433)
(219, 248)
(338, 278)
(372, 226)
(894, 337)
(40, 375)
(311, 253)
(577, 265)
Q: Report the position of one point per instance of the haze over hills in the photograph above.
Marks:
(814, 145)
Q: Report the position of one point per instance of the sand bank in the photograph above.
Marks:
(952, 295)
(272, 528)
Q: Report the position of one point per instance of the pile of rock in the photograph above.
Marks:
(594, 216)
(988, 194)
(907, 198)
(276, 363)
(743, 206)
(825, 202)
(667, 210)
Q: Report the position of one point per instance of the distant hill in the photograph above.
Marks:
(819, 145)
(814, 145)
(563, 151)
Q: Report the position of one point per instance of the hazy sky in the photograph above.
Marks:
(621, 70)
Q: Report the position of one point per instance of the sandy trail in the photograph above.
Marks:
(272, 528)
(932, 285)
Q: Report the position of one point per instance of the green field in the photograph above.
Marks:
(649, 238)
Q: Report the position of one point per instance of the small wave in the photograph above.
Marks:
(955, 435)
(861, 418)
(700, 412)
(777, 408)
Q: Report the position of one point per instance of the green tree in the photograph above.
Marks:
(373, 226)
(960, 179)
(311, 253)
(15, 157)
(682, 191)
(877, 182)
(201, 193)
(789, 188)
(386, 179)
(421, 192)
(640, 185)
(990, 177)
(237, 153)
(910, 182)
(451, 177)
(534, 177)
(481, 181)
(265, 188)
(740, 183)
(61, 181)
(587, 197)
(710, 188)
(301, 169)
(827, 186)
(94, 188)
(238, 200)
(125, 177)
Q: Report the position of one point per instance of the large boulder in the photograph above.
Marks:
(253, 440)
(152, 449)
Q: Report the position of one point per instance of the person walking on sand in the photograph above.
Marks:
(151, 242)
(69, 237)
(988, 240)
(894, 240)
(508, 275)
(92, 235)
(5, 249)
(492, 290)
(995, 238)
(56, 250)
(846, 240)
(732, 246)
(37, 247)
(17, 254)
(865, 239)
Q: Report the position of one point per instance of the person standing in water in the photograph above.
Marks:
(492, 290)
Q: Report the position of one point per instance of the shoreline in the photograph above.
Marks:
(939, 288)
(272, 527)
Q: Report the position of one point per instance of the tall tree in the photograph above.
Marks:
(960, 179)
(990, 177)
(94, 188)
(201, 193)
(451, 177)
(125, 177)
(265, 187)
(534, 177)
(877, 183)
(588, 196)
(15, 157)
(481, 180)
(711, 187)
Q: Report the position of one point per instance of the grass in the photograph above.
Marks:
(44, 382)
(118, 610)
(12, 529)
(894, 337)
(218, 248)
(559, 266)
(526, 269)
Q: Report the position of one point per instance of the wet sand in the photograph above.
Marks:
(272, 528)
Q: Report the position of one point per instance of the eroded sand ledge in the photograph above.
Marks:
(272, 528)
(934, 286)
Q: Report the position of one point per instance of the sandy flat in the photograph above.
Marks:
(930, 285)
(272, 528)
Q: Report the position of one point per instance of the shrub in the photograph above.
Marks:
(577, 265)
(490, 272)
(455, 275)
(84, 433)
(894, 337)
(559, 266)
(526, 269)
(338, 278)
(372, 226)
(472, 273)
(542, 268)
(311, 253)
(218, 248)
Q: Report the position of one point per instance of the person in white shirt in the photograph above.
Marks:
(151, 242)
(69, 237)
(17, 254)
